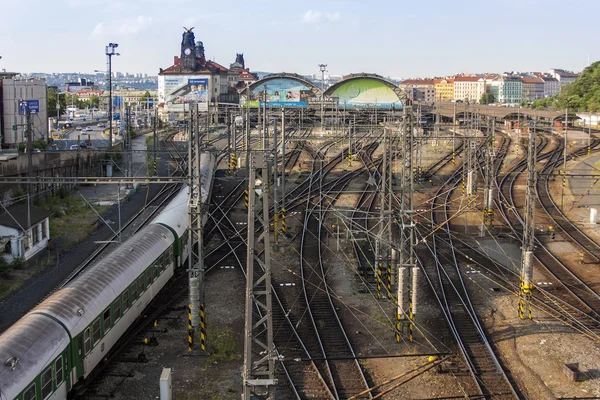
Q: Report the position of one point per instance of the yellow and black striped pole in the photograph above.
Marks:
(155, 167)
(378, 280)
(202, 328)
(398, 328)
(283, 227)
(246, 197)
(190, 329)
(389, 280)
(410, 323)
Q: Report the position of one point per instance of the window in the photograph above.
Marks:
(134, 293)
(29, 393)
(117, 310)
(106, 318)
(34, 235)
(86, 340)
(125, 299)
(148, 277)
(141, 284)
(47, 382)
(44, 224)
(58, 367)
(96, 331)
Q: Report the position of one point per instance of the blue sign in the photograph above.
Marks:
(29, 106)
(197, 81)
(150, 101)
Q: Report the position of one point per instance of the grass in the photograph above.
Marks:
(222, 346)
(72, 219)
(71, 222)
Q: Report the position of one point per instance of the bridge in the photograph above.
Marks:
(450, 110)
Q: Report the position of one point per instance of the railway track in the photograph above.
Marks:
(441, 269)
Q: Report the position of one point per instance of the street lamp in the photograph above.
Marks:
(110, 51)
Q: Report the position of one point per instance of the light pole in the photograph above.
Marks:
(110, 51)
(322, 68)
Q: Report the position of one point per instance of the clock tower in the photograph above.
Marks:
(188, 52)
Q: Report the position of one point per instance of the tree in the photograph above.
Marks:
(94, 101)
(51, 102)
(145, 97)
(487, 98)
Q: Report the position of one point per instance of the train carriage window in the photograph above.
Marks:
(156, 271)
(106, 319)
(86, 341)
(141, 286)
(125, 300)
(58, 367)
(117, 310)
(169, 254)
(96, 331)
(134, 292)
(148, 277)
(47, 382)
(30, 393)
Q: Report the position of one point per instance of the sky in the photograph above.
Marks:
(394, 38)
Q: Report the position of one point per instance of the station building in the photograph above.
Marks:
(194, 79)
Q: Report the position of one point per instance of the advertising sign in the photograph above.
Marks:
(366, 92)
(185, 90)
(281, 92)
(29, 106)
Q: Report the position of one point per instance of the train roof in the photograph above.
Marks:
(176, 213)
(33, 342)
(82, 300)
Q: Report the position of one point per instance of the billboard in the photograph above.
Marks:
(281, 92)
(184, 90)
(366, 92)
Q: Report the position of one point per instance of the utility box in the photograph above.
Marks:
(573, 372)
(166, 392)
(593, 215)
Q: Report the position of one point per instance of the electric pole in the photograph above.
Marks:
(528, 232)
(259, 353)
(407, 270)
(195, 254)
(488, 212)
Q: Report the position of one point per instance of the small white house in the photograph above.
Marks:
(18, 241)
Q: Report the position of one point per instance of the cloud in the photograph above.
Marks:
(128, 26)
(317, 17)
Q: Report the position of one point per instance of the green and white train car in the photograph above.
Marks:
(60, 342)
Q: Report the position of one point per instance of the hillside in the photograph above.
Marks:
(581, 95)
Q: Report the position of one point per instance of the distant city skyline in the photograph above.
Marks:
(395, 39)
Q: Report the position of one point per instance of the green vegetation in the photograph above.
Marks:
(72, 220)
(38, 144)
(223, 346)
(487, 98)
(581, 95)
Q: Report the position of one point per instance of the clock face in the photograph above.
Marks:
(187, 51)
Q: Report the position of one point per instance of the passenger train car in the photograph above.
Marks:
(58, 344)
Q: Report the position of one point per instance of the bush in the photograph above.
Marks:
(4, 267)
(17, 263)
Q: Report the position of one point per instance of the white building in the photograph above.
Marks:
(12, 90)
(551, 86)
(420, 90)
(469, 88)
(563, 77)
(16, 239)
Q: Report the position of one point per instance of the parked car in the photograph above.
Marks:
(89, 128)
(74, 147)
(79, 128)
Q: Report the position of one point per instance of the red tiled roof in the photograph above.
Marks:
(417, 82)
(466, 79)
(209, 66)
(532, 80)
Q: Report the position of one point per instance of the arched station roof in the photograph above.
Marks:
(286, 75)
(369, 89)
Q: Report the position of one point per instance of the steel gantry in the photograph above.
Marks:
(383, 248)
(488, 200)
(195, 254)
(259, 353)
(407, 268)
(528, 231)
